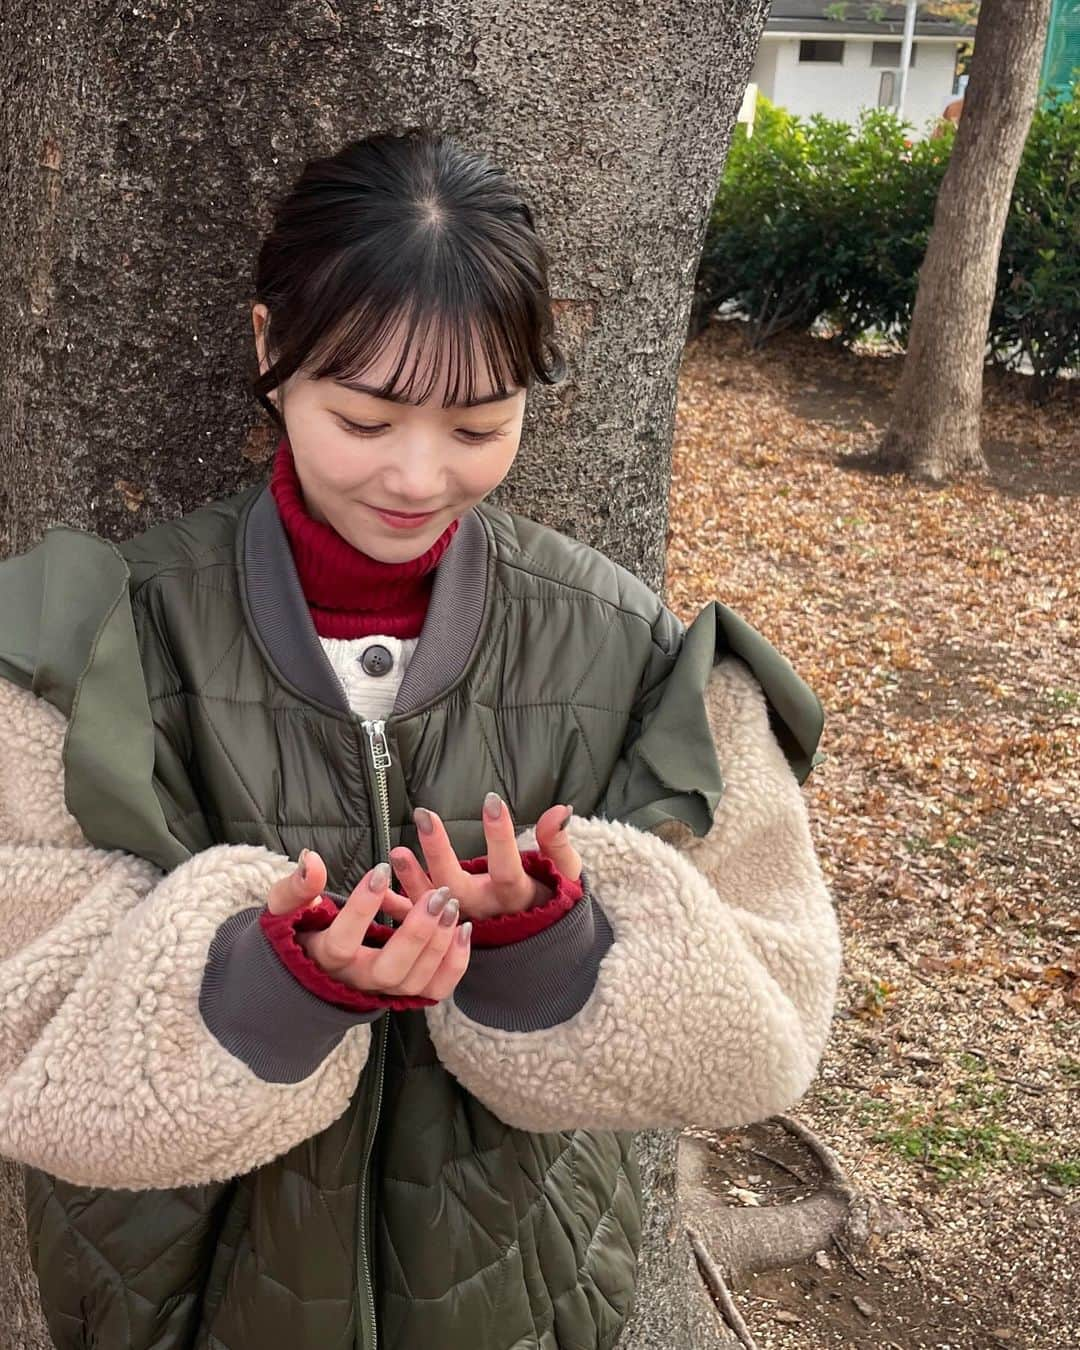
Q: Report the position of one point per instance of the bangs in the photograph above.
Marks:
(439, 343)
(407, 246)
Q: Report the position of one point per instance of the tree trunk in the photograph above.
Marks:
(142, 145)
(935, 427)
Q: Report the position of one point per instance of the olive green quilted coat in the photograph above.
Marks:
(203, 711)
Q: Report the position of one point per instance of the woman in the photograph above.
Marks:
(266, 1103)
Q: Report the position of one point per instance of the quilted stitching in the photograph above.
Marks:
(510, 1218)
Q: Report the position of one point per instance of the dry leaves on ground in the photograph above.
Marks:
(939, 627)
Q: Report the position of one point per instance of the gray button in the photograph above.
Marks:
(376, 660)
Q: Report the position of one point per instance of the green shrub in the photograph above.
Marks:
(815, 217)
(1037, 304)
(819, 219)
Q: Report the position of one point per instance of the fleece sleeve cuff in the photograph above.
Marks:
(281, 930)
(539, 981)
(260, 1013)
(504, 929)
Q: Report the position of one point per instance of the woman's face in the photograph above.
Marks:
(357, 455)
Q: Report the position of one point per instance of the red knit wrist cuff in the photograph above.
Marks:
(281, 931)
(503, 929)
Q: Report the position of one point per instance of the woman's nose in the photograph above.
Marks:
(417, 477)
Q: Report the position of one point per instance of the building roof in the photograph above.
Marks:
(821, 17)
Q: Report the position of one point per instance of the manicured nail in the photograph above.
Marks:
(493, 806)
(437, 900)
(464, 933)
(423, 820)
(301, 864)
(566, 819)
(448, 917)
(380, 877)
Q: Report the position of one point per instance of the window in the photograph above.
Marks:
(887, 89)
(888, 54)
(812, 49)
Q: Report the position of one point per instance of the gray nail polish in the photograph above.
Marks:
(464, 933)
(422, 818)
(492, 806)
(438, 899)
(449, 915)
(380, 876)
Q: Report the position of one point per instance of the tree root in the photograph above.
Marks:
(730, 1241)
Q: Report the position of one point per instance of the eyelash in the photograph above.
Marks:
(473, 437)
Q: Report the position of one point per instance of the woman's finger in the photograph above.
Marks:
(553, 843)
(395, 905)
(411, 876)
(442, 861)
(453, 965)
(430, 957)
(338, 943)
(504, 864)
(393, 963)
(299, 888)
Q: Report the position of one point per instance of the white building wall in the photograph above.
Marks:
(842, 90)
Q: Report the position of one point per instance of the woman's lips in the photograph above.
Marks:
(403, 522)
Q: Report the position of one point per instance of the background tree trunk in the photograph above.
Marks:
(937, 411)
(142, 146)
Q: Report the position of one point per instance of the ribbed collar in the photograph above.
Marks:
(349, 593)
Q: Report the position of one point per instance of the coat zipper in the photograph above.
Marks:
(380, 762)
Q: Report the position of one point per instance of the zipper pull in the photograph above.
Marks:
(380, 752)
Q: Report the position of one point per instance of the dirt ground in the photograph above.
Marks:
(939, 626)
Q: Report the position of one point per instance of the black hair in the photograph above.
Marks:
(406, 227)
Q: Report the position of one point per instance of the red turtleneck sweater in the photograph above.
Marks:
(350, 594)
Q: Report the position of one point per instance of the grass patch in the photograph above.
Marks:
(1069, 1069)
(965, 1138)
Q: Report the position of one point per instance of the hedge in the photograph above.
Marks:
(819, 220)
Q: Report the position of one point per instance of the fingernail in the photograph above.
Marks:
(380, 877)
(464, 933)
(423, 820)
(301, 864)
(438, 899)
(493, 806)
(449, 915)
(566, 819)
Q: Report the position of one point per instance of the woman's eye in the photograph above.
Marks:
(478, 436)
(360, 429)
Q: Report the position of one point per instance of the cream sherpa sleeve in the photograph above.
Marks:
(110, 1073)
(695, 984)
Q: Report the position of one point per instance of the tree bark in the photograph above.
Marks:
(142, 146)
(937, 412)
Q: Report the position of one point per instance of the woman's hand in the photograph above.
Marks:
(506, 888)
(426, 956)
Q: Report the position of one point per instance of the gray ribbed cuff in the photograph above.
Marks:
(260, 1012)
(542, 980)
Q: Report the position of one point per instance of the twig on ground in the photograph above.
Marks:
(838, 1244)
(710, 1273)
(776, 1162)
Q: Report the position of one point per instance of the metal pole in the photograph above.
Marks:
(905, 52)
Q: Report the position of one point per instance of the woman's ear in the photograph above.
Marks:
(259, 315)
